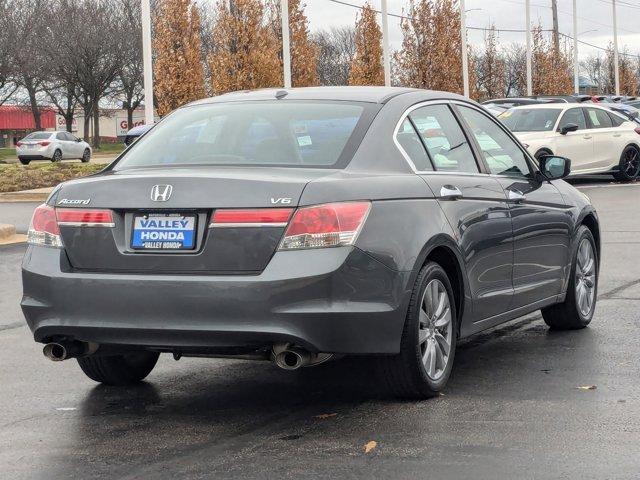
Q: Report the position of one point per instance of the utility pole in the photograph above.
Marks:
(147, 64)
(556, 31)
(576, 65)
(386, 59)
(463, 43)
(616, 59)
(529, 65)
(286, 47)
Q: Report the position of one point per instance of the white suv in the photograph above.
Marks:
(54, 146)
(594, 138)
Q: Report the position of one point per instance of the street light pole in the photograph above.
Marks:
(386, 60)
(286, 47)
(147, 64)
(463, 43)
(576, 66)
(616, 59)
(528, 30)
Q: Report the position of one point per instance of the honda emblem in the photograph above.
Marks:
(161, 193)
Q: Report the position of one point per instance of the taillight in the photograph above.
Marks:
(44, 229)
(80, 217)
(44, 144)
(328, 225)
(258, 217)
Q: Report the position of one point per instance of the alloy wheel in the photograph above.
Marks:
(631, 162)
(585, 282)
(436, 329)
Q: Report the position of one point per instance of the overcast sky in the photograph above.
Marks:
(595, 19)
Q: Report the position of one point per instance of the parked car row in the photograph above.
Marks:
(54, 146)
(599, 134)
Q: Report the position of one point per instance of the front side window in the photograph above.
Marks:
(599, 118)
(261, 133)
(410, 142)
(530, 119)
(444, 138)
(500, 151)
(573, 116)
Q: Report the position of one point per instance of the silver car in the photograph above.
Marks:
(54, 146)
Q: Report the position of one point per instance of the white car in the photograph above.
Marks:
(594, 138)
(54, 146)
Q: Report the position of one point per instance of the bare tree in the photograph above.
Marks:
(130, 87)
(515, 57)
(337, 50)
(29, 57)
(594, 67)
(490, 67)
(7, 45)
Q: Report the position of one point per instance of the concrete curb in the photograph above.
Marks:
(8, 235)
(24, 196)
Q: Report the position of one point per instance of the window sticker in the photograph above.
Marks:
(594, 118)
(304, 141)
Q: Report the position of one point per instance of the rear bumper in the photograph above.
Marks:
(33, 157)
(337, 300)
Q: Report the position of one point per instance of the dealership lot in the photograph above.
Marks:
(513, 409)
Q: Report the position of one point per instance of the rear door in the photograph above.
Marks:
(606, 137)
(63, 144)
(541, 219)
(473, 202)
(576, 146)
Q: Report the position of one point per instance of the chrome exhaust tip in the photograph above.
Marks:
(55, 352)
(59, 351)
(292, 359)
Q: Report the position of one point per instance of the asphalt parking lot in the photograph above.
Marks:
(517, 405)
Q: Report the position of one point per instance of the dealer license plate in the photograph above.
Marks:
(163, 232)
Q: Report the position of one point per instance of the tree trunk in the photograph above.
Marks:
(33, 102)
(96, 127)
(129, 115)
(87, 119)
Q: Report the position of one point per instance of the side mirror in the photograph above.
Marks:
(554, 168)
(78, 140)
(569, 127)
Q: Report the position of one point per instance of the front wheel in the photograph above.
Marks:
(629, 166)
(580, 301)
(428, 343)
(86, 156)
(119, 369)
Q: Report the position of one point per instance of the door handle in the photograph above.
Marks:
(515, 196)
(587, 137)
(450, 192)
(617, 135)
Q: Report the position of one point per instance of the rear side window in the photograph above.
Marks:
(412, 146)
(599, 118)
(501, 152)
(574, 116)
(260, 133)
(61, 136)
(442, 135)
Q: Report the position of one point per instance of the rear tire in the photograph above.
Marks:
(629, 166)
(24, 162)
(57, 156)
(119, 369)
(423, 366)
(573, 314)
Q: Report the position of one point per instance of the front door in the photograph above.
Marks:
(541, 220)
(576, 146)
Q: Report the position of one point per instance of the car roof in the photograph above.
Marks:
(354, 94)
(561, 106)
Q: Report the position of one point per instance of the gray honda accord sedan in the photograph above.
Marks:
(298, 225)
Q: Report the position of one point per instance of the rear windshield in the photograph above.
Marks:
(278, 133)
(38, 136)
(530, 119)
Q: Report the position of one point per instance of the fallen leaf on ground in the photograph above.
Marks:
(587, 387)
(323, 416)
(370, 446)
